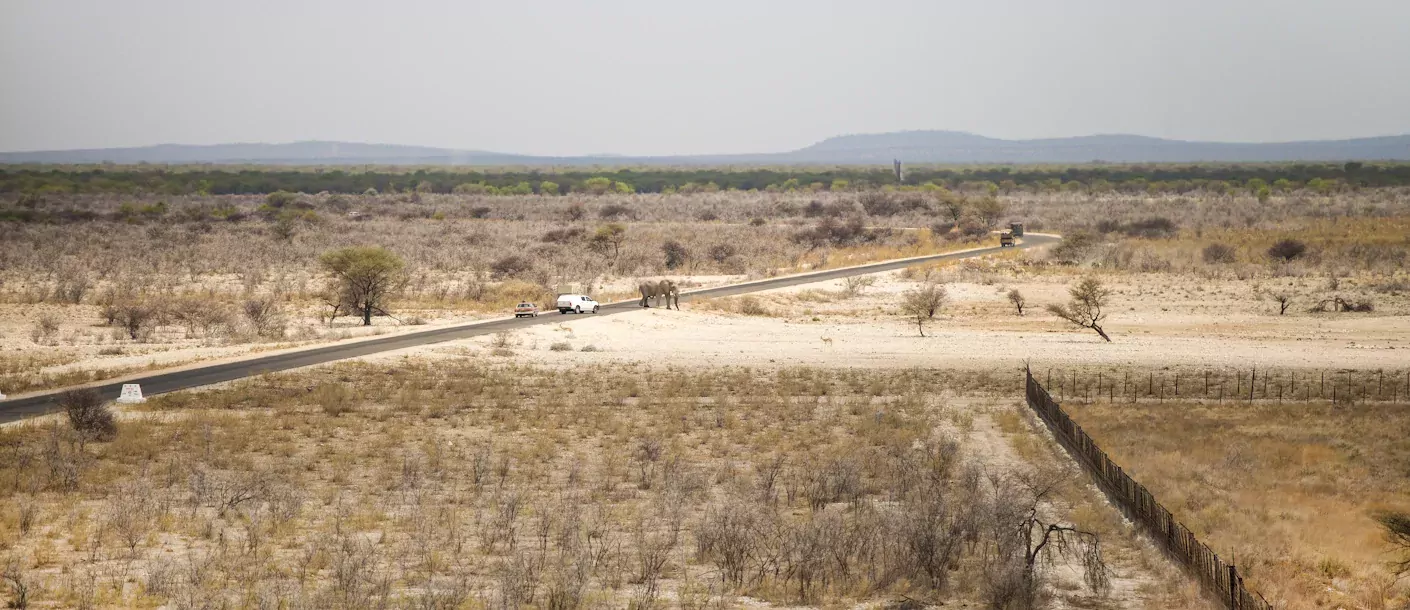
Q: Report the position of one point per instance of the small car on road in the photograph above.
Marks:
(526, 310)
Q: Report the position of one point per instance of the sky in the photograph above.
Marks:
(658, 77)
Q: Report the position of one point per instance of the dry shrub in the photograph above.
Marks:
(511, 266)
(1217, 254)
(45, 330)
(751, 306)
(1287, 249)
(332, 398)
(88, 415)
(200, 316)
(264, 315)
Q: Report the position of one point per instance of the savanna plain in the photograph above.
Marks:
(859, 442)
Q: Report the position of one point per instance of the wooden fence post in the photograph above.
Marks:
(1252, 381)
(1233, 587)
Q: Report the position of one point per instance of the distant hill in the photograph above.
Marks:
(866, 149)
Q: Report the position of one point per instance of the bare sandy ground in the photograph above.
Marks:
(1156, 323)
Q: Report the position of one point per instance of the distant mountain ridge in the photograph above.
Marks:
(924, 147)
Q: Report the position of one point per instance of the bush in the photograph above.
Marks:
(1215, 254)
(511, 266)
(830, 232)
(614, 210)
(1150, 227)
(575, 212)
(279, 199)
(973, 228)
(480, 212)
(264, 316)
(757, 222)
(676, 254)
(879, 203)
(722, 252)
(1075, 247)
(751, 306)
(563, 236)
(88, 415)
(45, 329)
(1287, 250)
(561, 346)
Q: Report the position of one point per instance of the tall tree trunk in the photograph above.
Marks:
(367, 316)
(1101, 332)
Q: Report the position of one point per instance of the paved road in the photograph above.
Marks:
(160, 383)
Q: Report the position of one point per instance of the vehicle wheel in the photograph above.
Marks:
(594, 308)
(578, 309)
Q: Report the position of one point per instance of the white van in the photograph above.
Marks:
(576, 303)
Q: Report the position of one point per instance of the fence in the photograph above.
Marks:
(1338, 386)
(1214, 574)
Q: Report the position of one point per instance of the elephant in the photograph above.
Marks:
(663, 288)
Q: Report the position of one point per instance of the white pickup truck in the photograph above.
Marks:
(576, 303)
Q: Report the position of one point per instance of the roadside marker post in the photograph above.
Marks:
(131, 393)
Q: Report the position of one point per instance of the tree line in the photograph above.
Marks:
(1163, 178)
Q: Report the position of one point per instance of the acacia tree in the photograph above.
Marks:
(990, 210)
(922, 303)
(608, 239)
(364, 278)
(1397, 531)
(1086, 309)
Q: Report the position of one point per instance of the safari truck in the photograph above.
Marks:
(1006, 240)
(1016, 228)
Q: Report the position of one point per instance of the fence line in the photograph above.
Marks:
(1341, 386)
(1220, 578)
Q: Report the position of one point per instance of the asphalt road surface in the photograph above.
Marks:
(160, 383)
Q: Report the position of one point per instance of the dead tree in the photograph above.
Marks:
(1018, 300)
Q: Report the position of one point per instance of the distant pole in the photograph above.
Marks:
(900, 175)
(1252, 381)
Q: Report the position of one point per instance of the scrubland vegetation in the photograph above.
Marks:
(418, 485)
(456, 484)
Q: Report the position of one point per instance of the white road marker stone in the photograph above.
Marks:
(131, 393)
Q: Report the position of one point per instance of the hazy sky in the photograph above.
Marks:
(672, 77)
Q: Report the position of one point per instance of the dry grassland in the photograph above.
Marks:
(1288, 492)
(451, 484)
